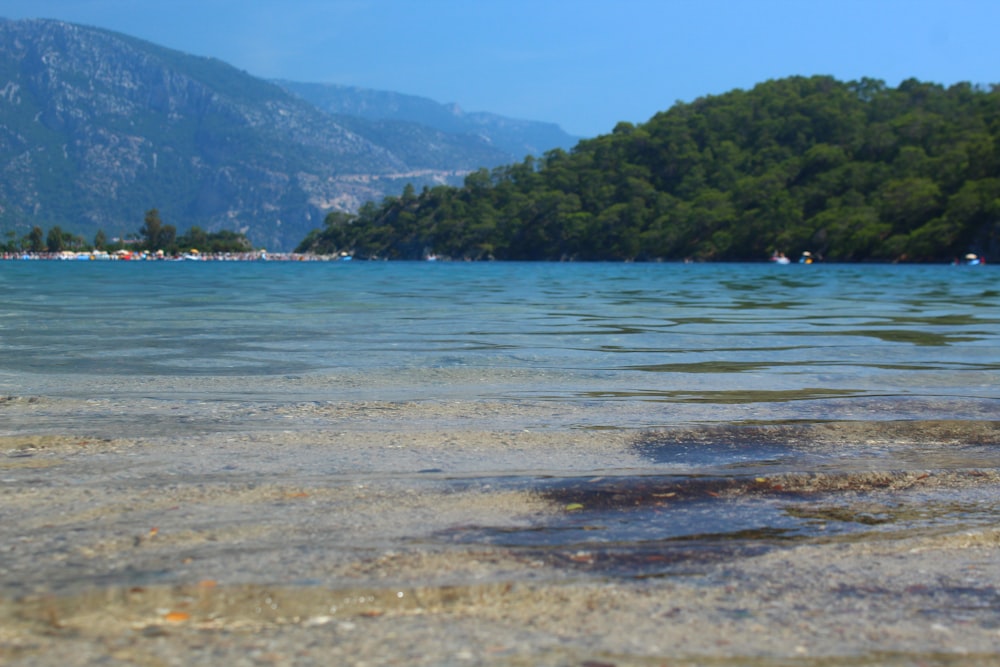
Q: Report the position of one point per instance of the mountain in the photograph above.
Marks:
(97, 127)
(518, 138)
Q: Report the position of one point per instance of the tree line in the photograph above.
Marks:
(850, 171)
(153, 236)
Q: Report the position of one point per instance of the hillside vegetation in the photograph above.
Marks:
(853, 171)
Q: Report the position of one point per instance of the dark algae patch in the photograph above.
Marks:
(839, 543)
(734, 492)
(653, 526)
(727, 397)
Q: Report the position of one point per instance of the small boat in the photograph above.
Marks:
(779, 258)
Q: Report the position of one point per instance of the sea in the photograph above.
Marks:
(717, 374)
(679, 343)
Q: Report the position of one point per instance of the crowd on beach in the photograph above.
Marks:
(262, 255)
(145, 256)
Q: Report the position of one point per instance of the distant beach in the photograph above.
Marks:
(147, 256)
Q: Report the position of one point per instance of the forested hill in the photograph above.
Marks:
(852, 171)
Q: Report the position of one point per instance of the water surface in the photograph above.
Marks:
(663, 343)
(708, 370)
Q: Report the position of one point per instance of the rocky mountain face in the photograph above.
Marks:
(518, 138)
(96, 128)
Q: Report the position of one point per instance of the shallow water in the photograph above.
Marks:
(374, 425)
(174, 350)
(663, 343)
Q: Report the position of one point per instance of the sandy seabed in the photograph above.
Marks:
(367, 538)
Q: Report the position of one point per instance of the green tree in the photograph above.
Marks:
(150, 230)
(54, 240)
(166, 239)
(35, 241)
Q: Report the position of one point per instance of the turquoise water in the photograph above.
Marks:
(691, 343)
(244, 372)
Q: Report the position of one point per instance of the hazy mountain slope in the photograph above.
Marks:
(98, 127)
(518, 138)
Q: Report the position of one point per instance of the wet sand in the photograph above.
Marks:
(432, 534)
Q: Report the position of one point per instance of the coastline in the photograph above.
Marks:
(264, 256)
(137, 256)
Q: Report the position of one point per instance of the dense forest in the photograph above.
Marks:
(855, 171)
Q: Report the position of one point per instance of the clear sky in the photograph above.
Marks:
(584, 64)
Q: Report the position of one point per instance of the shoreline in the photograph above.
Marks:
(142, 256)
(264, 256)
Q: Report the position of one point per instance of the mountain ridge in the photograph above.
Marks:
(96, 127)
(515, 136)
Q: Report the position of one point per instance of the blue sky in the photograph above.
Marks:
(584, 64)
